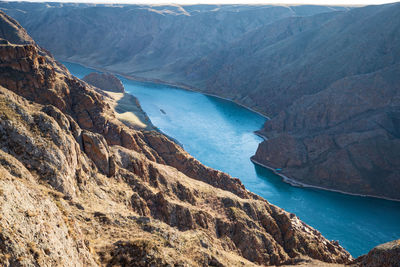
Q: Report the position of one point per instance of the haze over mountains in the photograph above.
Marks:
(327, 76)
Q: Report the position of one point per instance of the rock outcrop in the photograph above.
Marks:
(385, 255)
(105, 81)
(12, 32)
(78, 187)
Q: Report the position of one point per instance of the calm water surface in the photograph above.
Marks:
(219, 133)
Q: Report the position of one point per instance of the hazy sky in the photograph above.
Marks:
(315, 2)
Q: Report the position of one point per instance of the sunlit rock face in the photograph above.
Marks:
(387, 254)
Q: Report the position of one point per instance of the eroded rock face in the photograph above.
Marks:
(345, 138)
(36, 140)
(59, 143)
(385, 255)
(34, 229)
(261, 232)
(96, 148)
(105, 81)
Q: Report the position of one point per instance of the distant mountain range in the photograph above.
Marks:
(328, 77)
(144, 40)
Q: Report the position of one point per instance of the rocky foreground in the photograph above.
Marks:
(80, 188)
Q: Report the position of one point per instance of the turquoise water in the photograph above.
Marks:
(219, 133)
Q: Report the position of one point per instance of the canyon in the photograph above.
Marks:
(326, 76)
(80, 186)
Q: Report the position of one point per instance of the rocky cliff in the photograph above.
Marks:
(387, 254)
(80, 188)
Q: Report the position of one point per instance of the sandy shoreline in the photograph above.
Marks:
(299, 184)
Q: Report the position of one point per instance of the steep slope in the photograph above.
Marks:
(334, 89)
(344, 138)
(127, 107)
(307, 56)
(141, 40)
(12, 31)
(387, 254)
(80, 188)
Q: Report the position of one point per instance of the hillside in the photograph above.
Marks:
(140, 40)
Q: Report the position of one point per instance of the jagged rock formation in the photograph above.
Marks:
(105, 81)
(80, 188)
(326, 77)
(385, 255)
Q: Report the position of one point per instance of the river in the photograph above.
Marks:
(219, 133)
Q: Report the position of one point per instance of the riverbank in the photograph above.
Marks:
(295, 183)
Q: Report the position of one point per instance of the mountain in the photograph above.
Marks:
(275, 65)
(327, 77)
(141, 40)
(330, 84)
(346, 137)
(80, 188)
